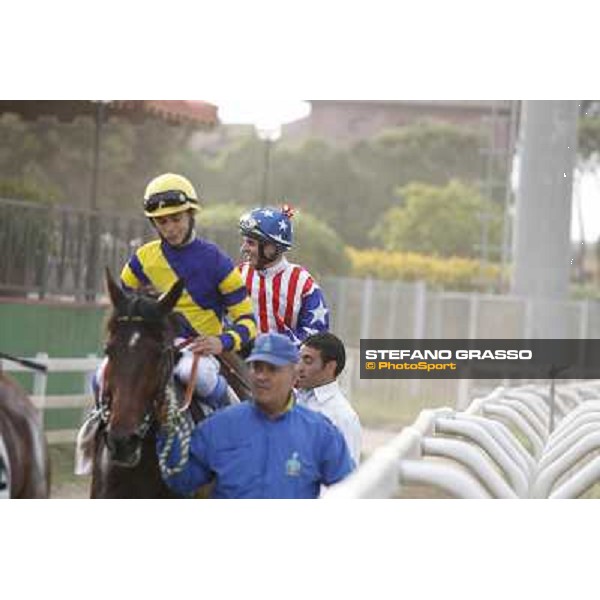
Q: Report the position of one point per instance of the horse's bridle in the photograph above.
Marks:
(177, 423)
(104, 396)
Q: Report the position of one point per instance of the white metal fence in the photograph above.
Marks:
(368, 308)
(43, 401)
(502, 446)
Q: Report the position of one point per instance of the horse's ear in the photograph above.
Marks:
(168, 301)
(116, 294)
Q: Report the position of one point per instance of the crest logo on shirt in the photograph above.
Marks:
(293, 466)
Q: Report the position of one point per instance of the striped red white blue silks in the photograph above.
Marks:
(286, 299)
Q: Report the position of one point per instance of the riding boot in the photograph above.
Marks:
(221, 396)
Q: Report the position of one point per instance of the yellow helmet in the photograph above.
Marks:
(168, 194)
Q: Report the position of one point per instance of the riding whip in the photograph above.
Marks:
(25, 362)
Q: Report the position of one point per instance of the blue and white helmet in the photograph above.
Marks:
(269, 225)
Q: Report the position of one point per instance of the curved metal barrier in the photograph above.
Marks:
(502, 446)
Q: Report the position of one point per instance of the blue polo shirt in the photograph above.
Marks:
(255, 456)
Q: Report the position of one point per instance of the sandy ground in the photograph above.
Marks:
(66, 485)
(373, 438)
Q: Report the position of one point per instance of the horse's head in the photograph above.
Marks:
(140, 362)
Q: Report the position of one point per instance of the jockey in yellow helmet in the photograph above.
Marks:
(213, 285)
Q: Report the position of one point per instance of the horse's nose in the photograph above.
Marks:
(124, 449)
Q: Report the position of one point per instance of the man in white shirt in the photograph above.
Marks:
(322, 359)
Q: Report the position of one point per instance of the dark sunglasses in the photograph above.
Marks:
(165, 200)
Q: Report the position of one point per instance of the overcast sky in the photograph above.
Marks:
(263, 113)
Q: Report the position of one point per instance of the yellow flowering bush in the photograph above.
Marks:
(449, 273)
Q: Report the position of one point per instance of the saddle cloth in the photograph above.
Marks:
(84, 445)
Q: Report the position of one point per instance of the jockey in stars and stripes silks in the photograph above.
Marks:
(285, 296)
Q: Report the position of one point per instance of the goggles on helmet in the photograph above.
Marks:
(248, 223)
(166, 200)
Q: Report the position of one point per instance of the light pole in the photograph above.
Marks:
(269, 135)
(94, 250)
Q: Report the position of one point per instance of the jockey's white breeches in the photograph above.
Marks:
(207, 373)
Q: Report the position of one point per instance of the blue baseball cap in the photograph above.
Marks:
(275, 349)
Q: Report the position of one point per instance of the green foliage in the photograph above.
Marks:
(313, 176)
(584, 291)
(462, 274)
(13, 189)
(316, 245)
(323, 181)
(437, 220)
(232, 176)
(430, 152)
(588, 137)
(219, 224)
(347, 188)
(58, 157)
(337, 183)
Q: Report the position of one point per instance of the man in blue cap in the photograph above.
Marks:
(269, 447)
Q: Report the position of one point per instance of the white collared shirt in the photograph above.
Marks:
(329, 400)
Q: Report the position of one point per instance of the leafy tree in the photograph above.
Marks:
(436, 220)
(589, 138)
(322, 180)
(428, 151)
(13, 189)
(314, 177)
(348, 188)
(232, 176)
(58, 157)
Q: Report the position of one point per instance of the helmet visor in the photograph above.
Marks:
(168, 199)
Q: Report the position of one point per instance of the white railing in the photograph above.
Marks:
(502, 446)
(43, 401)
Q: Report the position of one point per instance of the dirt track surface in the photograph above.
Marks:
(373, 438)
(66, 485)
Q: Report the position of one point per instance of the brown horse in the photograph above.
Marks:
(23, 451)
(138, 393)
(133, 395)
